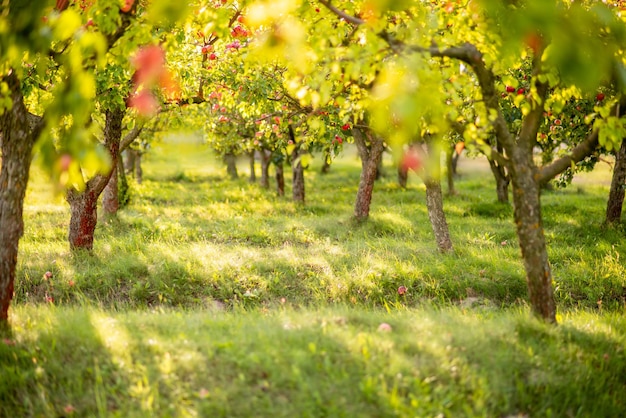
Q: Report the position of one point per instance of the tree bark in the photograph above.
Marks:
(370, 156)
(326, 164)
(618, 185)
(434, 200)
(18, 136)
(265, 168)
(403, 176)
(252, 169)
(231, 165)
(527, 210)
(110, 196)
(84, 204)
(502, 181)
(123, 191)
(138, 168)
(297, 171)
(280, 179)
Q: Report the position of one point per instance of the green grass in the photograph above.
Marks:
(211, 297)
(312, 363)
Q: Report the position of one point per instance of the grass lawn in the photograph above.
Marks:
(210, 297)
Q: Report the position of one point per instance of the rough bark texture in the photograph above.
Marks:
(297, 177)
(280, 179)
(526, 201)
(17, 140)
(502, 181)
(110, 196)
(370, 156)
(231, 165)
(265, 168)
(84, 204)
(252, 169)
(434, 202)
(618, 185)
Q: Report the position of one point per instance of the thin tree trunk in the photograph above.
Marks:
(231, 165)
(403, 176)
(110, 196)
(527, 210)
(123, 193)
(129, 161)
(138, 168)
(17, 138)
(434, 200)
(326, 164)
(297, 179)
(252, 169)
(618, 185)
(265, 168)
(502, 181)
(370, 156)
(84, 204)
(280, 178)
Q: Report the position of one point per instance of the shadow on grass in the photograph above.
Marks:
(173, 363)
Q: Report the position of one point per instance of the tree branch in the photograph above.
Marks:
(345, 16)
(130, 137)
(580, 151)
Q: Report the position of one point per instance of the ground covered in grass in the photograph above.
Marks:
(340, 362)
(212, 297)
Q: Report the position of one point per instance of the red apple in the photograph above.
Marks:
(521, 90)
(557, 121)
(47, 275)
(212, 56)
(600, 97)
(128, 4)
(510, 89)
(338, 139)
(402, 290)
(345, 127)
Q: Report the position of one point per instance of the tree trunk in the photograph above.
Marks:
(434, 200)
(326, 164)
(297, 176)
(379, 165)
(434, 204)
(280, 179)
(265, 168)
(618, 186)
(450, 170)
(84, 204)
(370, 156)
(129, 161)
(123, 193)
(17, 138)
(527, 210)
(502, 181)
(403, 176)
(110, 196)
(138, 169)
(252, 170)
(231, 165)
